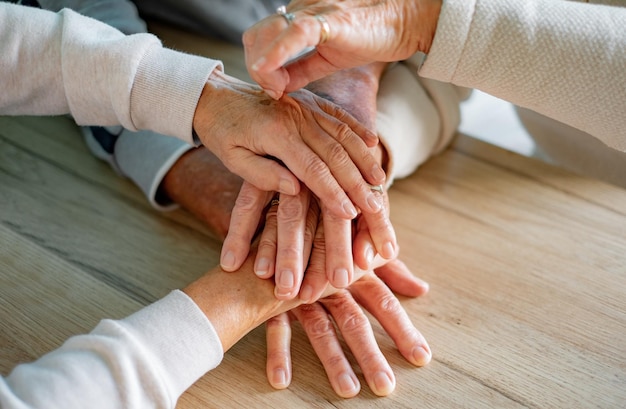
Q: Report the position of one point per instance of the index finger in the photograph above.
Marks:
(268, 46)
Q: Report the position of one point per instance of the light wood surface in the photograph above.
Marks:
(527, 266)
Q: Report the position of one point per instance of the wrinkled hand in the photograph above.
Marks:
(324, 146)
(361, 31)
(354, 90)
(343, 309)
(289, 229)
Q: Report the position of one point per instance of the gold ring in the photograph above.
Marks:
(324, 29)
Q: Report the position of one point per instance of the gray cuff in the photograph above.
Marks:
(146, 157)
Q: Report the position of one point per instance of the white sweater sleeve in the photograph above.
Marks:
(562, 59)
(59, 63)
(146, 360)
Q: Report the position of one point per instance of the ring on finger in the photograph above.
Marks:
(289, 17)
(375, 188)
(324, 29)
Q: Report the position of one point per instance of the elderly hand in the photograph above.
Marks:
(315, 139)
(343, 309)
(349, 34)
(281, 249)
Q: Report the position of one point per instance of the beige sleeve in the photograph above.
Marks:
(417, 117)
(563, 59)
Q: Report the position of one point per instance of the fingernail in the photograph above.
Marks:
(348, 385)
(383, 383)
(340, 278)
(279, 379)
(348, 207)
(258, 64)
(262, 267)
(374, 202)
(228, 261)
(421, 355)
(286, 279)
(286, 186)
(273, 94)
(378, 173)
(388, 250)
(306, 293)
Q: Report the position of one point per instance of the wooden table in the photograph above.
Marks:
(527, 266)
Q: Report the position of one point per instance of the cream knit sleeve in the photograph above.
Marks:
(60, 63)
(562, 59)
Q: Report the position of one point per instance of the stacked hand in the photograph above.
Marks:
(318, 143)
(305, 247)
(370, 292)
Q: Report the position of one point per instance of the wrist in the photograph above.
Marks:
(421, 24)
(221, 92)
(237, 302)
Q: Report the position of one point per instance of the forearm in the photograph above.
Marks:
(138, 83)
(145, 360)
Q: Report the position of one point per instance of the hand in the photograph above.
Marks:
(360, 31)
(343, 308)
(316, 140)
(286, 240)
(355, 90)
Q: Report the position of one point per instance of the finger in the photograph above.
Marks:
(308, 291)
(348, 159)
(338, 238)
(370, 138)
(303, 71)
(312, 170)
(401, 280)
(244, 222)
(323, 338)
(358, 334)
(303, 33)
(291, 219)
(265, 261)
(278, 338)
(315, 279)
(375, 230)
(376, 298)
(265, 174)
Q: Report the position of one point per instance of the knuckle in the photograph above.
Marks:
(278, 322)
(354, 322)
(343, 133)
(318, 327)
(335, 361)
(289, 253)
(390, 303)
(291, 211)
(266, 245)
(336, 154)
(274, 355)
(315, 167)
(246, 202)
